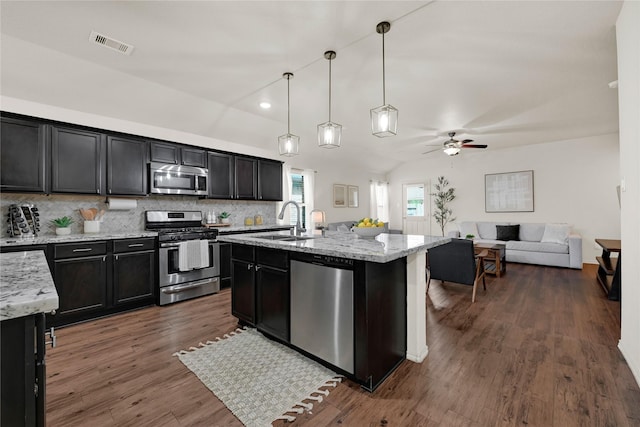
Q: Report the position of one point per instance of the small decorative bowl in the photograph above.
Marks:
(367, 232)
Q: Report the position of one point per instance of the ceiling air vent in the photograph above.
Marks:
(114, 44)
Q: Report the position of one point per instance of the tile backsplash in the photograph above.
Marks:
(59, 205)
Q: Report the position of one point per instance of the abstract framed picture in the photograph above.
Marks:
(339, 196)
(508, 192)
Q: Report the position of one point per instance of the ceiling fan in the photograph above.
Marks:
(452, 147)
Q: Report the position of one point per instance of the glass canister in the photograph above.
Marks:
(258, 219)
(248, 221)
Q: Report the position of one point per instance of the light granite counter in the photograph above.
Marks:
(251, 228)
(26, 285)
(52, 238)
(382, 249)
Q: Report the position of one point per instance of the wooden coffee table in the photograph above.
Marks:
(495, 262)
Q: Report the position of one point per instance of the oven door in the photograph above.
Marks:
(170, 274)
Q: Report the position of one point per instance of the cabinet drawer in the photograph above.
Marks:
(272, 257)
(74, 250)
(243, 252)
(133, 245)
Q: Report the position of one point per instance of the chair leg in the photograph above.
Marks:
(479, 266)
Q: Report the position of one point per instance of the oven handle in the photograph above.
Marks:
(180, 288)
(175, 245)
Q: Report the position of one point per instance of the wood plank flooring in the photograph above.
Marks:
(537, 348)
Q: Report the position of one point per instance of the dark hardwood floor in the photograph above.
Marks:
(538, 348)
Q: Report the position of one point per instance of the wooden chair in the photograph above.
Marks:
(456, 262)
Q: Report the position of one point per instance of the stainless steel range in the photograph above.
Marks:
(189, 255)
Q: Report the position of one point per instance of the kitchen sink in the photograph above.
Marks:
(282, 238)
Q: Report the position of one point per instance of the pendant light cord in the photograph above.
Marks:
(384, 98)
(288, 108)
(330, 89)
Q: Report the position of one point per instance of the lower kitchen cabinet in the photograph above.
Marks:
(260, 289)
(225, 265)
(134, 271)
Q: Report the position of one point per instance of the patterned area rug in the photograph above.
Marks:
(259, 380)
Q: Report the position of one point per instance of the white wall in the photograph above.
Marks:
(628, 37)
(574, 182)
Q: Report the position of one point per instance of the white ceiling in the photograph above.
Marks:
(502, 73)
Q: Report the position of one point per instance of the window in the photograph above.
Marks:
(297, 195)
(379, 199)
(415, 200)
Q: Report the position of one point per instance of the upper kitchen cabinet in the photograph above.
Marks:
(221, 175)
(269, 180)
(127, 166)
(246, 178)
(77, 161)
(166, 152)
(23, 164)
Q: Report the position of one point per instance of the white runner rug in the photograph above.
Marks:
(258, 379)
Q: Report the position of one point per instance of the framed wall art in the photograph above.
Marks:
(508, 192)
(353, 196)
(339, 196)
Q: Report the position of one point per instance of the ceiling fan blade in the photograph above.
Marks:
(466, 141)
(431, 151)
(474, 146)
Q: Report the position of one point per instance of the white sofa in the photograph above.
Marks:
(538, 243)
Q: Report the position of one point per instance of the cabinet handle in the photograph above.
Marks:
(104, 258)
(83, 250)
(98, 191)
(136, 245)
(117, 256)
(258, 267)
(53, 337)
(249, 266)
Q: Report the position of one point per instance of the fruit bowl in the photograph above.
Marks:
(367, 232)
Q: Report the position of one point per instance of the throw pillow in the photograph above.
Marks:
(555, 233)
(467, 228)
(508, 232)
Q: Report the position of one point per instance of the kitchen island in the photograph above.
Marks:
(358, 305)
(27, 292)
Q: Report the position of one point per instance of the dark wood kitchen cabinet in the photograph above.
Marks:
(80, 273)
(260, 289)
(78, 161)
(127, 160)
(134, 267)
(23, 166)
(246, 174)
(167, 152)
(225, 265)
(221, 175)
(269, 180)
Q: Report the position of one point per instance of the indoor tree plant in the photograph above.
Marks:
(442, 196)
(62, 225)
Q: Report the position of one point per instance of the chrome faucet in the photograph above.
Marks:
(297, 230)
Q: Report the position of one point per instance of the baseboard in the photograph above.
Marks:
(418, 358)
(635, 369)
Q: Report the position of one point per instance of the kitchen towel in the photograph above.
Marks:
(183, 256)
(198, 254)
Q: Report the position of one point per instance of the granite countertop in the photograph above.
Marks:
(382, 249)
(52, 238)
(26, 285)
(251, 228)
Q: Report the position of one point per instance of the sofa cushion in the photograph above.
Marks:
(531, 232)
(555, 248)
(508, 232)
(555, 233)
(487, 230)
(468, 227)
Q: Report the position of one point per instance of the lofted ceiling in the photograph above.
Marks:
(501, 73)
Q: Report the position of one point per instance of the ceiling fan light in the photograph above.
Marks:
(288, 144)
(451, 150)
(329, 135)
(384, 121)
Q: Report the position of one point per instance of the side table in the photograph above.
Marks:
(609, 268)
(495, 262)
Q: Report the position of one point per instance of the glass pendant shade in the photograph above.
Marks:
(384, 121)
(288, 144)
(329, 135)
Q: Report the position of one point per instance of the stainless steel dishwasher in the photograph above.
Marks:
(322, 308)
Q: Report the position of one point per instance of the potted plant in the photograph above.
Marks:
(62, 225)
(224, 217)
(469, 236)
(442, 197)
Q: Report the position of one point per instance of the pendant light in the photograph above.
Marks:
(329, 133)
(288, 144)
(384, 119)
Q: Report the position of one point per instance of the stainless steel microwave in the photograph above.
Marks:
(177, 179)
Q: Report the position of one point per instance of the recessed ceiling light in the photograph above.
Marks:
(265, 105)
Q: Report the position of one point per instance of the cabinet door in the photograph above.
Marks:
(194, 157)
(77, 161)
(165, 153)
(81, 284)
(225, 265)
(272, 308)
(22, 156)
(269, 180)
(221, 175)
(134, 277)
(126, 166)
(243, 290)
(246, 170)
